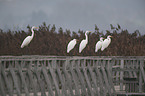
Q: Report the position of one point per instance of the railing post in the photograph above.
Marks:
(121, 74)
(141, 75)
(140, 82)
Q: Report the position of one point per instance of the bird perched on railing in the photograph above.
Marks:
(71, 45)
(28, 39)
(99, 44)
(84, 42)
(106, 42)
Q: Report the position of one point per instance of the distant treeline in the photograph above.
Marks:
(49, 42)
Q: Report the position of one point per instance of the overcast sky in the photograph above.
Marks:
(73, 14)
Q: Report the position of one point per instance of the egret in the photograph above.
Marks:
(84, 42)
(106, 42)
(71, 45)
(99, 44)
(28, 39)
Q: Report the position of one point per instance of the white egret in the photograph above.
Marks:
(71, 45)
(106, 42)
(99, 44)
(28, 39)
(84, 42)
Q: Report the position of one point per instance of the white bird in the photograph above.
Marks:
(84, 42)
(28, 39)
(106, 42)
(71, 45)
(99, 44)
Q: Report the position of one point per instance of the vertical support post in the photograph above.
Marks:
(121, 74)
(110, 80)
(54, 64)
(66, 64)
(141, 75)
(140, 81)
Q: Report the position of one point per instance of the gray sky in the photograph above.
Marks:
(73, 14)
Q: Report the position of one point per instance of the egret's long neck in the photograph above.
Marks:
(86, 36)
(32, 32)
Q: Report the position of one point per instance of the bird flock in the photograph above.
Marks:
(99, 45)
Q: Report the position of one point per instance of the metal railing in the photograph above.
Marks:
(69, 75)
